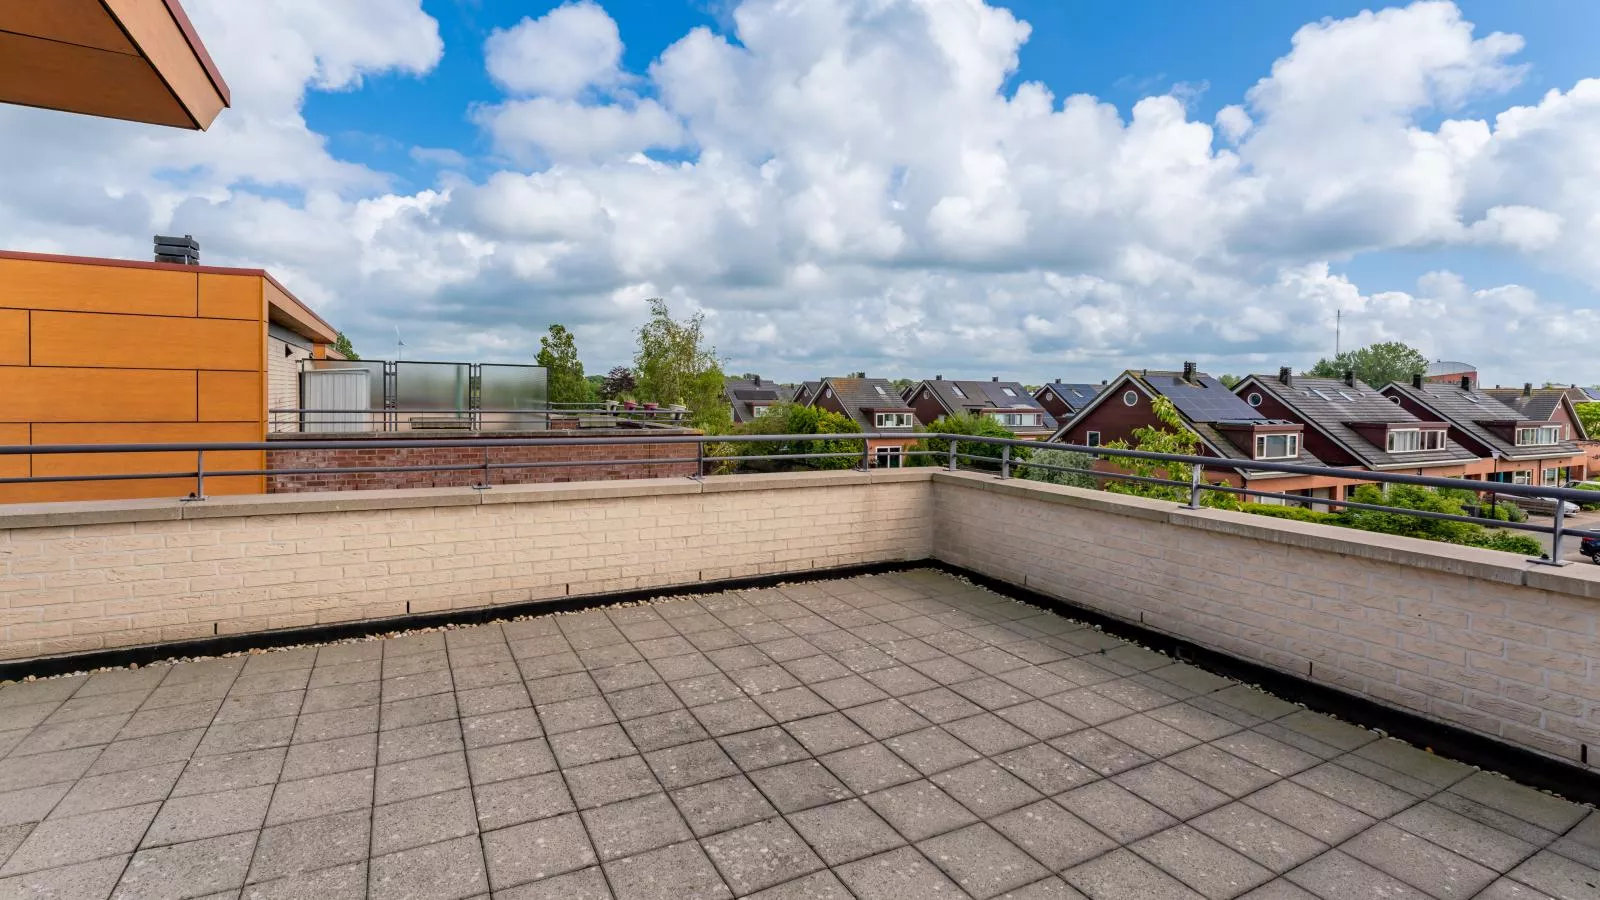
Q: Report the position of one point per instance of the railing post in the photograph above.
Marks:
(199, 476)
(484, 484)
(1194, 488)
(952, 466)
(866, 455)
(699, 460)
(1556, 529)
(1005, 461)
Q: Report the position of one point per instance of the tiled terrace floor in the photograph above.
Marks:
(894, 736)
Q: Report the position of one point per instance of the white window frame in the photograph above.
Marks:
(1130, 398)
(956, 389)
(1539, 436)
(1522, 476)
(1253, 398)
(1008, 392)
(1093, 438)
(1552, 477)
(1292, 443)
(760, 410)
(889, 457)
(893, 420)
(1017, 419)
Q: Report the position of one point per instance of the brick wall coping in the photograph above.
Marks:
(1473, 562)
(103, 512)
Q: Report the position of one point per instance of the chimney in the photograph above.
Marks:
(938, 378)
(1527, 389)
(185, 251)
(1466, 382)
(1188, 372)
(757, 380)
(994, 378)
(1104, 382)
(1349, 377)
(1416, 380)
(1285, 375)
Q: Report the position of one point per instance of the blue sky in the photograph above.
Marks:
(1117, 51)
(842, 185)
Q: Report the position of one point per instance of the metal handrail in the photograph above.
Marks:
(1005, 464)
(387, 419)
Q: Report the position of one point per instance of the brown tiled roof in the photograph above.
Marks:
(862, 396)
(1330, 406)
(1075, 396)
(985, 396)
(1467, 410)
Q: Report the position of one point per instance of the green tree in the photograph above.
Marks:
(1589, 415)
(1376, 364)
(789, 419)
(975, 425)
(1228, 381)
(1171, 436)
(558, 353)
(342, 346)
(1067, 459)
(675, 365)
(900, 384)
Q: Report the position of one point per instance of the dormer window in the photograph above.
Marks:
(893, 420)
(1277, 446)
(1414, 440)
(1542, 436)
(1016, 420)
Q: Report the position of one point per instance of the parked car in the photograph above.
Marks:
(1544, 506)
(1591, 548)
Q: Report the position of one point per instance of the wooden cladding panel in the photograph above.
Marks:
(13, 337)
(31, 394)
(232, 397)
(150, 342)
(163, 43)
(35, 284)
(134, 463)
(53, 75)
(13, 466)
(81, 22)
(231, 297)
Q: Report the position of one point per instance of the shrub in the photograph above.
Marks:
(1588, 486)
(1068, 459)
(790, 418)
(977, 426)
(1297, 513)
(1511, 543)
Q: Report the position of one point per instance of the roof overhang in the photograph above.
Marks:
(138, 60)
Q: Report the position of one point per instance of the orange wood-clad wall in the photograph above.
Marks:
(107, 354)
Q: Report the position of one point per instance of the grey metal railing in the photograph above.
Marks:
(369, 420)
(1002, 465)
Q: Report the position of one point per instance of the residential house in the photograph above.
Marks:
(1513, 448)
(1350, 425)
(1228, 428)
(1444, 371)
(1554, 405)
(874, 405)
(1063, 400)
(750, 398)
(1006, 402)
(806, 391)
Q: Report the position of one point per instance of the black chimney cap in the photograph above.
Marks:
(1350, 377)
(1189, 369)
(1466, 382)
(1527, 389)
(1286, 375)
(184, 251)
(994, 378)
(1416, 380)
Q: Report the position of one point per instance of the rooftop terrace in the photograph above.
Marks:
(887, 736)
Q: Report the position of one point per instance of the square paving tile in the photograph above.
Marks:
(1337, 874)
(871, 767)
(209, 815)
(1121, 815)
(424, 820)
(1259, 836)
(1202, 863)
(196, 868)
(981, 860)
(536, 850)
(635, 826)
(74, 839)
(519, 800)
(842, 832)
(920, 809)
(760, 856)
(986, 788)
(827, 733)
(799, 785)
(311, 844)
(1419, 862)
(597, 784)
(1052, 835)
(719, 805)
(932, 750)
(895, 875)
(670, 873)
(761, 748)
(1121, 874)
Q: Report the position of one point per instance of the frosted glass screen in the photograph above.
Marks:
(514, 388)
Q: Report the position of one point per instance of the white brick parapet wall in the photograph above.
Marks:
(1475, 638)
